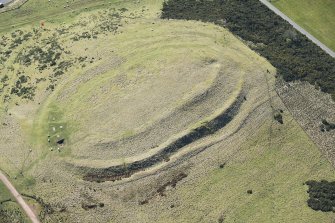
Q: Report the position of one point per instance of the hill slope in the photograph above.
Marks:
(100, 88)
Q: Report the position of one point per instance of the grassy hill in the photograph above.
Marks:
(99, 84)
(317, 17)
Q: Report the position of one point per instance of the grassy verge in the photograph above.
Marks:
(317, 17)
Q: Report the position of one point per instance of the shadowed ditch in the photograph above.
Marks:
(126, 170)
(184, 115)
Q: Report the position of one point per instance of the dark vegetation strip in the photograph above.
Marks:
(123, 171)
(293, 54)
(47, 209)
(321, 195)
(327, 126)
(5, 201)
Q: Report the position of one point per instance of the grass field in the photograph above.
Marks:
(317, 17)
(148, 71)
(4, 194)
(275, 178)
(9, 210)
(124, 84)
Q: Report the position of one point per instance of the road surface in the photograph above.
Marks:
(5, 1)
(297, 27)
(19, 198)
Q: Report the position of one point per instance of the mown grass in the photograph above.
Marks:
(317, 17)
(49, 128)
(57, 127)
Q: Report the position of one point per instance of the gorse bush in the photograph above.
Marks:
(321, 195)
(294, 56)
(278, 117)
(327, 126)
(22, 88)
(45, 56)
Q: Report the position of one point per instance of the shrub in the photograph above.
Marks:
(294, 56)
(321, 195)
(279, 118)
(326, 126)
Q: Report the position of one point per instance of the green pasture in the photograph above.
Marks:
(317, 17)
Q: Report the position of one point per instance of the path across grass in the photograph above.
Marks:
(19, 198)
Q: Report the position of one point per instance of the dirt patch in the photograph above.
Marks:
(162, 189)
(47, 209)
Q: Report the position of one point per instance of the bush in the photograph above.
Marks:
(279, 118)
(327, 126)
(23, 89)
(294, 56)
(45, 56)
(321, 195)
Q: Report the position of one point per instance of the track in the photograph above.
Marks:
(299, 28)
(19, 198)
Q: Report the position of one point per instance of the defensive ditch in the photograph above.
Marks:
(126, 170)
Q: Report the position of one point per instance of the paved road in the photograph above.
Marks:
(19, 198)
(5, 1)
(297, 27)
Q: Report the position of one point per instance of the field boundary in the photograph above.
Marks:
(13, 5)
(297, 27)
